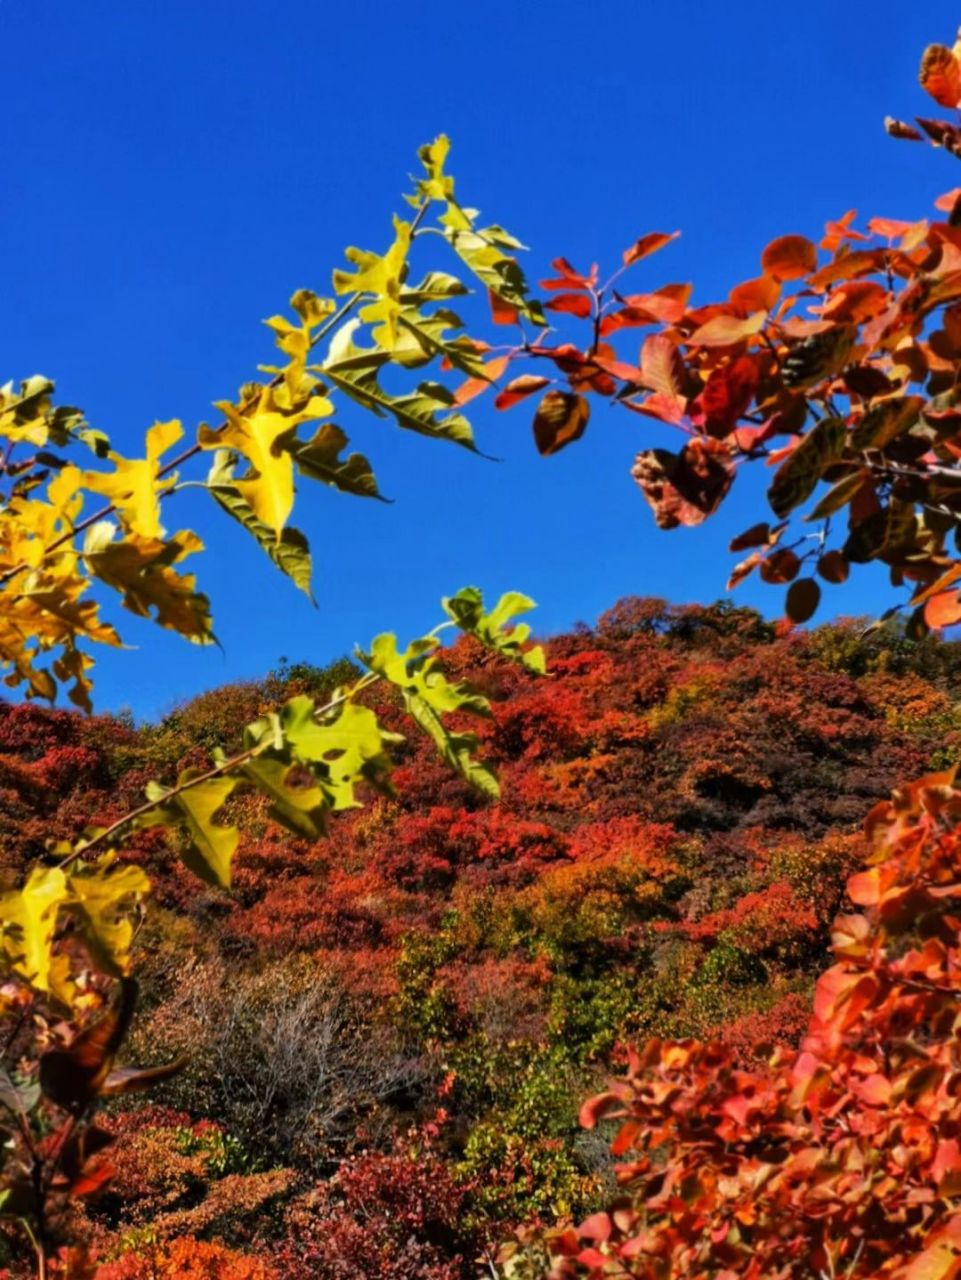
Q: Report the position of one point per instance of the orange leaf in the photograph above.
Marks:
(940, 75)
(789, 258)
(890, 228)
(943, 610)
(647, 245)
(662, 366)
(560, 419)
(518, 388)
(755, 295)
(726, 330)
(474, 387)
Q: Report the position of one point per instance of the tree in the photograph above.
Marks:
(841, 1157)
(838, 365)
(66, 933)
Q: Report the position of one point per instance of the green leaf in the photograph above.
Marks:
(302, 810)
(291, 553)
(211, 846)
(884, 422)
(456, 748)
(436, 286)
(797, 477)
(350, 747)
(427, 340)
(482, 249)
(428, 694)
(839, 495)
(466, 608)
(319, 459)
(427, 411)
(18, 1098)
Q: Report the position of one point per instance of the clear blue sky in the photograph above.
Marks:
(174, 170)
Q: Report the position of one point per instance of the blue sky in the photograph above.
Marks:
(175, 170)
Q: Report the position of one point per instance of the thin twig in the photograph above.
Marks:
(217, 771)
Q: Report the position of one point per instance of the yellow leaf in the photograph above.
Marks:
(134, 488)
(28, 919)
(382, 276)
(101, 896)
(258, 432)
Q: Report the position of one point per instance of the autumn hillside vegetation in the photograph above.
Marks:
(390, 1032)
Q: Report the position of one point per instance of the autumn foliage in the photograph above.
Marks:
(389, 1033)
(372, 1030)
(838, 1158)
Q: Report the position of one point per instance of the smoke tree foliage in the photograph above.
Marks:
(76, 516)
(842, 1157)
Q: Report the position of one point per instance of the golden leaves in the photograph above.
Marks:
(259, 432)
(134, 487)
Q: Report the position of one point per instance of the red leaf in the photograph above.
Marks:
(501, 312)
(74, 1076)
(684, 488)
(647, 245)
(597, 1227)
(726, 396)
(803, 598)
(780, 567)
(94, 1176)
(840, 996)
(568, 277)
(518, 389)
(133, 1079)
(759, 535)
(599, 1108)
(833, 567)
(575, 304)
(789, 258)
(836, 233)
(664, 408)
(855, 301)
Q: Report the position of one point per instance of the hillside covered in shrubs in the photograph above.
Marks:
(390, 1033)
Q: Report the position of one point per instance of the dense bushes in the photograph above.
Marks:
(390, 1032)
